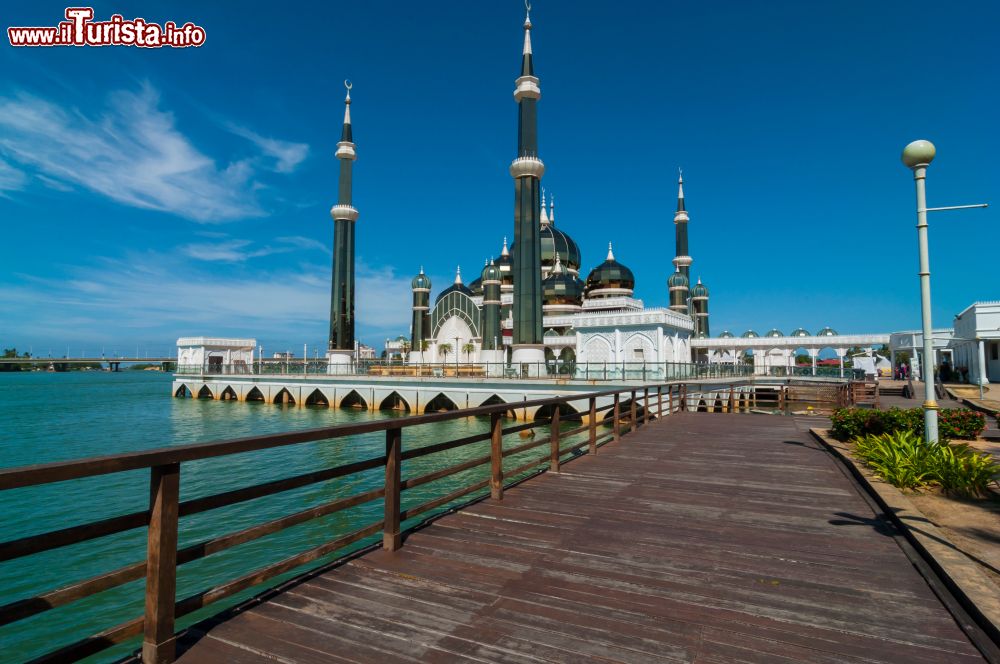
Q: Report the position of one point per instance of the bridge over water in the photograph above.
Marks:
(660, 534)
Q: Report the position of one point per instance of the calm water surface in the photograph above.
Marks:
(48, 417)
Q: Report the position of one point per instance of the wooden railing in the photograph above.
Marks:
(162, 609)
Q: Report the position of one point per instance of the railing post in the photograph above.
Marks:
(616, 426)
(593, 425)
(391, 539)
(659, 402)
(732, 398)
(645, 406)
(683, 396)
(496, 456)
(670, 399)
(554, 441)
(632, 418)
(158, 644)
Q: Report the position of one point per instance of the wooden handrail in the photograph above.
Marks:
(165, 509)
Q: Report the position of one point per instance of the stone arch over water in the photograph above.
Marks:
(354, 400)
(317, 398)
(283, 397)
(205, 393)
(255, 394)
(228, 394)
(439, 403)
(394, 402)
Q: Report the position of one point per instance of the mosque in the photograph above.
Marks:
(531, 308)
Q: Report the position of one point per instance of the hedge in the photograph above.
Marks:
(953, 423)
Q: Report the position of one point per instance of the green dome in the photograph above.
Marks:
(677, 280)
(800, 332)
(749, 334)
(504, 260)
(457, 287)
(774, 332)
(555, 241)
(827, 332)
(490, 273)
(561, 287)
(421, 281)
(610, 274)
(726, 334)
(699, 290)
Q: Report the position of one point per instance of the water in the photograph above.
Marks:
(48, 417)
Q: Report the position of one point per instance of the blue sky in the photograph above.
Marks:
(149, 194)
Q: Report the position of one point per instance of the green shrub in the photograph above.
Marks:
(904, 460)
(851, 423)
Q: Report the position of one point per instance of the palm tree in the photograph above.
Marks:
(405, 347)
(468, 348)
(424, 345)
(444, 349)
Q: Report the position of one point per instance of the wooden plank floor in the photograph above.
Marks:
(702, 538)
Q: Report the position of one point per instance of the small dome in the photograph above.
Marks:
(561, 288)
(749, 334)
(827, 332)
(677, 280)
(555, 241)
(457, 287)
(699, 290)
(610, 274)
(490, 273)
(774, 332)
(800, 332)
(421, 281)
(726, 334)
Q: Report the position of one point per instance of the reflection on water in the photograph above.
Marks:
(47, 417)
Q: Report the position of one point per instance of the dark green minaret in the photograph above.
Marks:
(682, 259)
(492, 339)
(421, 286)
(699, 310)
(344, 215)
(527, 172)
(677, 284)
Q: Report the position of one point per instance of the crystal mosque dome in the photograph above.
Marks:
(611, 277)
(421, 281)
(490, 273)
(799, 332)
(562, 289)
(699, 290)
(726, 334)
(750, 334)
(774, 332)
(827, 332)
(457, 287)
(677, 280)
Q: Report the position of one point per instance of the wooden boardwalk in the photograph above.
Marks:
(700, 538)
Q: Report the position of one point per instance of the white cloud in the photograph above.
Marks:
(287, 155)
(237, 251)
(11, 179)
(158, 296)
(132, 152)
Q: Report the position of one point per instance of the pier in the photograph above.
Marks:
(646, 531)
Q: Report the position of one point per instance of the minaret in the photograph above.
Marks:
(545, 213)
(677, 284)
(527, 170)
(421, 286)
(341, 346)
(699, 309)
(682, 260)
(492, 335)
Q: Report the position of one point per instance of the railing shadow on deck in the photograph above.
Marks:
(628, 409)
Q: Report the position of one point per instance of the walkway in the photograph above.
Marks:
(701, 538)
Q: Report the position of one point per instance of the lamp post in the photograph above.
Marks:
(917, 156)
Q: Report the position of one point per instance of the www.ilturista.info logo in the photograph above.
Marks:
(81, 30)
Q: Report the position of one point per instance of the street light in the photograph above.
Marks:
(917, 156)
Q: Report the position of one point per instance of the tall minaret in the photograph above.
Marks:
(682, 259)
(492, 334)
(527, 170)
(341, 347)
(421, 286)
